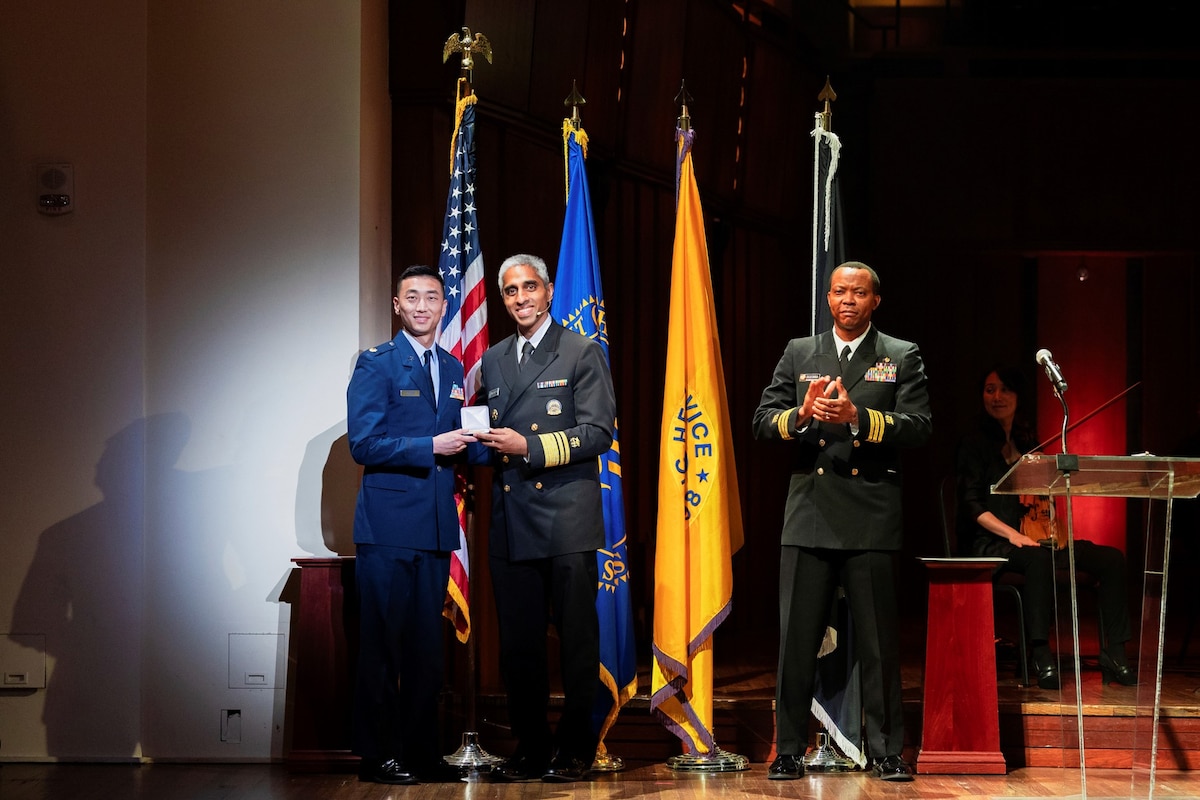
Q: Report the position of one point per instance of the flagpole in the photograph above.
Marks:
(579, 306)
(684, 699)
(825, 757)
(603, 761)
(823, 120)
(470, 756)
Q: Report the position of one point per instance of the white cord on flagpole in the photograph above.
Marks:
(816, 134)
(821, 222)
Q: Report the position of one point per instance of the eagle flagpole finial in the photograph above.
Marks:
(465, 44)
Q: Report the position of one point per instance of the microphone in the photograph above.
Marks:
(538, 314)
(1052, 371)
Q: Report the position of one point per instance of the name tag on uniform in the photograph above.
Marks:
(493, 393)
(808, 377)
(883, 372)
(410, 392)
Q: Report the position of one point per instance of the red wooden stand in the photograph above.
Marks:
(324, 645)
(961, 723)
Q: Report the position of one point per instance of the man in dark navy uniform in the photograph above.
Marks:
(552, 410)
(847, 400)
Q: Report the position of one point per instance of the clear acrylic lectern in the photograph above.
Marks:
(1154, 478)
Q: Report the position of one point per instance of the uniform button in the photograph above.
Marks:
(854, 471)
(857, 442)
(537, 485)
(533, 427)
(822, 443)
(439, 469)
(505, 459)
(507, 488)
(820, 470)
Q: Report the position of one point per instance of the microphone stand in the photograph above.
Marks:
(1067, 464)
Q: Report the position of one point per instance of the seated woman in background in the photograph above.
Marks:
(990, 525)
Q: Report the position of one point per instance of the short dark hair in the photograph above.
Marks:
(855, 265)
(418, 271)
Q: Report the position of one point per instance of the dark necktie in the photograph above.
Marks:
(429, 370)
(845, 359)
(526, 351)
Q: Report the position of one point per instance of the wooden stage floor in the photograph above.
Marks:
(276, 782)
(1038, 727)
(1038, 739)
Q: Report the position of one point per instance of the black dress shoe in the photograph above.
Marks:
(388, 770)
(565, 769)
(892, 768)
(520, 768)
(1113, 672)
(1046, 672)
(786, 768)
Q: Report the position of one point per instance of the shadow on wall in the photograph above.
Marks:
(327, 490)
(328, 477)
(84, 592)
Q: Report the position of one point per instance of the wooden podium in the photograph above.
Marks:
(324, 647)
(960, 732)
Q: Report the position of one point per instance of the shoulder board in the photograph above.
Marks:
(381, 348)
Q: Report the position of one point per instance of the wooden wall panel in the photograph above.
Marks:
(654, 61)
(955, 173)
(777, 150)
(509, 27)
(714, 50)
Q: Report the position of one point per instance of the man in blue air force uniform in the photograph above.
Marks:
(552, 410)
(403, 407)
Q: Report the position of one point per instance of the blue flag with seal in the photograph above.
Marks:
(578, 304)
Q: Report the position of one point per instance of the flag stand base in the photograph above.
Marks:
(470, 754)
(607, 762)
(826, 759)
(716, 761)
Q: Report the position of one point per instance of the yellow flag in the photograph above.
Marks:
(699, 512)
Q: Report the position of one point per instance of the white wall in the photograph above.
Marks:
(176, 353)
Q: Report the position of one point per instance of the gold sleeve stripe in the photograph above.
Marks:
(557, 450)
(875, 426)
(783, 422)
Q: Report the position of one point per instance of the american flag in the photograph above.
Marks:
(464, 329)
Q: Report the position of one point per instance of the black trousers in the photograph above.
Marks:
(1038, 565)
(529, 595)
(808, 579)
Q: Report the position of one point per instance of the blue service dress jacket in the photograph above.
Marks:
(407, 494)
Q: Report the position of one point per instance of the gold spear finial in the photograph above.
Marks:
(827, 95)
(574, 100)
(683, 98)
(463, 43)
